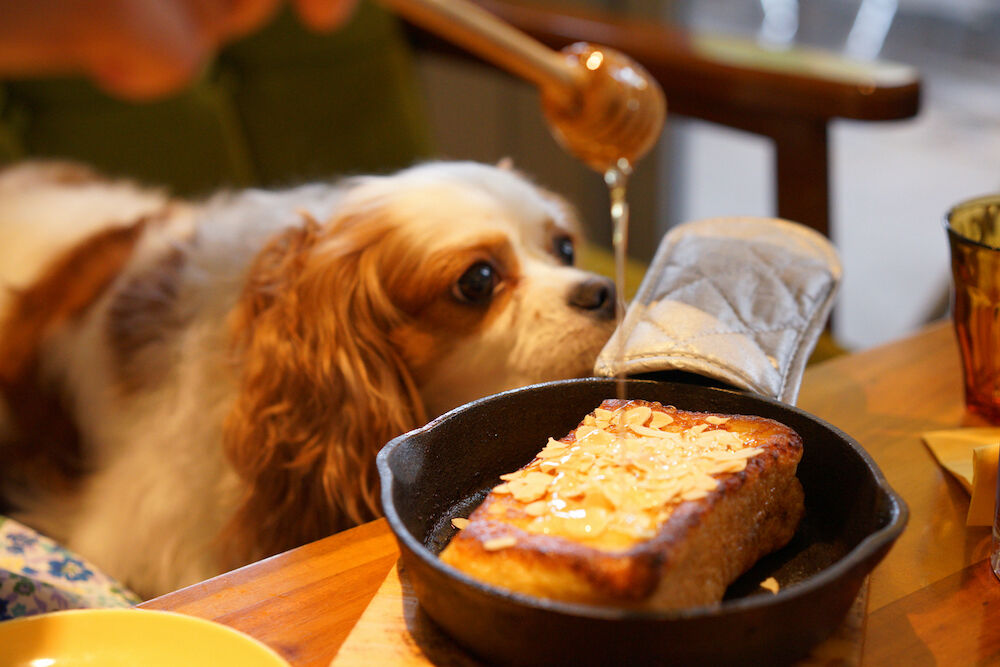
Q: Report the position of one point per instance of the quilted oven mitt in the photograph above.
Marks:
(739, 300)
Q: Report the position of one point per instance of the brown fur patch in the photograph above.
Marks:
(322, 389)
(48, 450)
(142, 313)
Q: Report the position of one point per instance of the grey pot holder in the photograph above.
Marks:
(739, 300)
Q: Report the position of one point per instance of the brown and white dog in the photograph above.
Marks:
(188, 387)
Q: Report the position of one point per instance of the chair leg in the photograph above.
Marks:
(803, 173)
(802, 177)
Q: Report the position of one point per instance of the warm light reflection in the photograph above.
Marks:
(594, 60)
(630, 77)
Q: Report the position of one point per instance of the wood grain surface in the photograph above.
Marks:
(933, 600)
(394, 630)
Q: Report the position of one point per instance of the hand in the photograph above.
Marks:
(138, 49)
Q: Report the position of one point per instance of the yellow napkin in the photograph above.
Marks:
(970, 454)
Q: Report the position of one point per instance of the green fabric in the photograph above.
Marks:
(283, 105)
(10, 143)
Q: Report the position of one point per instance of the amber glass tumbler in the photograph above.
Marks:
(974, 237)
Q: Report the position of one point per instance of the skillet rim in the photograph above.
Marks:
(861, 553)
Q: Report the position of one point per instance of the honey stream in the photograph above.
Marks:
(616, 178)
(613, 117)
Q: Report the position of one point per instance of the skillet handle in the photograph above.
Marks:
(737, 301)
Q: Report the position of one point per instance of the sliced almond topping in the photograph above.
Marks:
(727, 438)
(536, 508)
(602, 415)
(531, 487)
(615, 492)
(584, 461)
(648, 431)
(460, 522)
(724, 455)
(598, 497)
(735, 465)
(638, 415)
(599, 439)
(770, 584)
(697, 429)
(553, 449)
(660, 419)
(750, 452)
(572, 492)
(498, 543)
(624, 481)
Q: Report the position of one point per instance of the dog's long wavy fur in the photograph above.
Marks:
(189, 386)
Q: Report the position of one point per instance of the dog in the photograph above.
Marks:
(189, 386)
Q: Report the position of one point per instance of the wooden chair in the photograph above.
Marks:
(789, 96)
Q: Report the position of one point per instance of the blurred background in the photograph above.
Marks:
(891, 182)
(286, 105)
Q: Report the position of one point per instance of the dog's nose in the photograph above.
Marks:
(596, 295)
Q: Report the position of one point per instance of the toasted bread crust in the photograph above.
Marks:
(696, 551)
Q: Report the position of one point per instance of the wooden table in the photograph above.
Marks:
(933, 600)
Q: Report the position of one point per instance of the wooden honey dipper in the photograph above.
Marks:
(602, 106)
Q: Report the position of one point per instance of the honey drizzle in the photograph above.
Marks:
(611, 117)
(609, 485)
(616, 178)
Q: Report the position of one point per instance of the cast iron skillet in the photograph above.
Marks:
(444, 470)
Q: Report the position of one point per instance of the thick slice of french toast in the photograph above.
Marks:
(641, 506)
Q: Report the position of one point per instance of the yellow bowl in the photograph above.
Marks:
(111, 637)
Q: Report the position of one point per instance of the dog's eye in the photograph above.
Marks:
(563, 246)
(476, 284)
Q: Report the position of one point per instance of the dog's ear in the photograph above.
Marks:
(322, 389)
